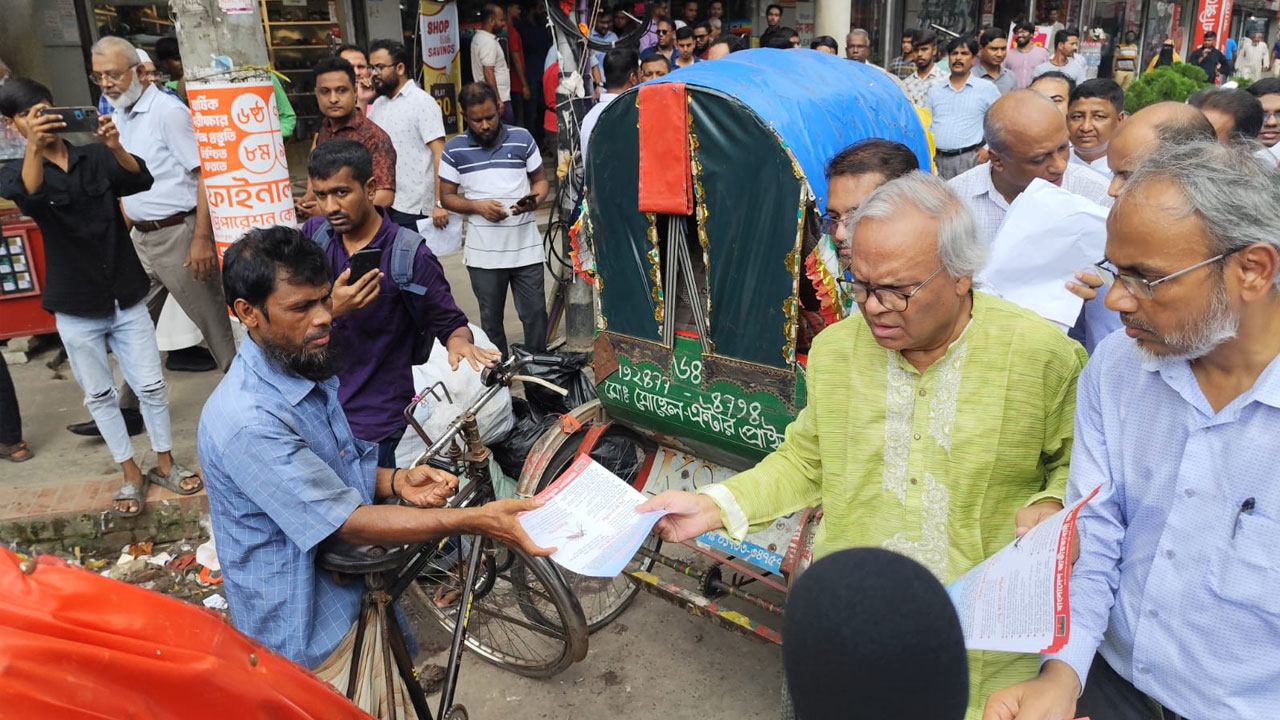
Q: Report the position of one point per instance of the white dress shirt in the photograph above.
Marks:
(412, 119)
(1099, 166)
(589, 122)
(158, 129)
(989, 207)
(1270, 155)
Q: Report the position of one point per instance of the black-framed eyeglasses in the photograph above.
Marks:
(379, 67)
(1144, 288)
(891, 298)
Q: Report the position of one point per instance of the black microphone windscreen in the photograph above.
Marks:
(872, 634)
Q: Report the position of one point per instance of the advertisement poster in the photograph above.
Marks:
(242, 158)
(1213, 16)
(441, 68)
(804, 22)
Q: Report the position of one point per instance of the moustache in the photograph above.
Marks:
(317, 334)
(1132, 321)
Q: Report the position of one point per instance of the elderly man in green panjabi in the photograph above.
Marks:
(939, 419)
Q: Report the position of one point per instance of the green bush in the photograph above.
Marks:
(1242, 83)
(1175, 82)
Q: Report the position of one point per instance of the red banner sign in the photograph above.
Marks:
(1213, 16)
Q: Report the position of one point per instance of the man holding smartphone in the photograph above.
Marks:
(376, 319)
(95, 285)
(499, 168)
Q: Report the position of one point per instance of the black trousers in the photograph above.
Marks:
(490, 286)
(10, 420)
(1108, 696)
(408, 221)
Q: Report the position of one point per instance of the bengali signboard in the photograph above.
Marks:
(1213, 16)
(441, 71)
(242, 158)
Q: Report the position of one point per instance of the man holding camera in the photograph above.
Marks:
(94, 285)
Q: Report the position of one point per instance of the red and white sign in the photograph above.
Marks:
(1213, 16)
(242, 158)
(440, 37)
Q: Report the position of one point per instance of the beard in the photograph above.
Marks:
(129, 97)
(382, 89)
(314, 365)
(1022, 42)
(1197, 338)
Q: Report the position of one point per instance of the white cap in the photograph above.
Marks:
(143, 57)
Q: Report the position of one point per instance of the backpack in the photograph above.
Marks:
(403, 252)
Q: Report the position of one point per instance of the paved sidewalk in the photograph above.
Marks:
(60, 497)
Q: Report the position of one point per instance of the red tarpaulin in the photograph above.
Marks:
(666, 180)
(74, 644)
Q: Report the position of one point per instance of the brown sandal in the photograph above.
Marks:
(18, 452)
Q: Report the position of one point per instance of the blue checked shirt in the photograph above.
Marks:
(1176, 587)
(283, 472)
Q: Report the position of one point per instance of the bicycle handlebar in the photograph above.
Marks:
(495, 379)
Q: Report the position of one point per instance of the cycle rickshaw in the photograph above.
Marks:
(699, 230)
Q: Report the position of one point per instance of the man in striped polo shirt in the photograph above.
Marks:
(492, 173)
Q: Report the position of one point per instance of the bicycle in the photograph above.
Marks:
(513, 610)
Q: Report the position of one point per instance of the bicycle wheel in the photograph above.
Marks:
(499, 628)
(622, 452)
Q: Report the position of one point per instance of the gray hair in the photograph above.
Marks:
(859, 32)
(961, 250)
(1232, 192)
(112, 44)
(715, 23)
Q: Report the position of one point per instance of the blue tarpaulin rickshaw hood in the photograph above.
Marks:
(816, 102)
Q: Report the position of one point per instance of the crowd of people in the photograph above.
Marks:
(942, 420)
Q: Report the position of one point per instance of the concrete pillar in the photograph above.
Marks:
(834, 18)
(205, 31)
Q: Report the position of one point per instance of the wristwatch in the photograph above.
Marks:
(440, 204)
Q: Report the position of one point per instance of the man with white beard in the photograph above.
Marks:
(1175, 424)
(170, 222)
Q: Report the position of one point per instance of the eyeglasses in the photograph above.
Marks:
(114, 76)
(702, 36)
(829, 221)
(1270, 115)
(379, 67)
(1142, 287)
(664, 32)
(892, 299)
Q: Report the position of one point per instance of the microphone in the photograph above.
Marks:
(872, 634)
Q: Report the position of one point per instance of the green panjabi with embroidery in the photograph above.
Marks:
(933, 465)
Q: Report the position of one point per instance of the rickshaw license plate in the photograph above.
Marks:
(674, 470)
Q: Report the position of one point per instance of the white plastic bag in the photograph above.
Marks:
(495, 418)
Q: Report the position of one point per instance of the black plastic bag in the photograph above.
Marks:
(567, 372)
(511, 451)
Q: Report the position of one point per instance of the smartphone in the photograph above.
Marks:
(77, 119)
(364, 262)
(525, 204)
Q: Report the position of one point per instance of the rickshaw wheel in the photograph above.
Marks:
(603, 599)
(457, 712)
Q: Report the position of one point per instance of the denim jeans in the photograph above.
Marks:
(131, 335)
